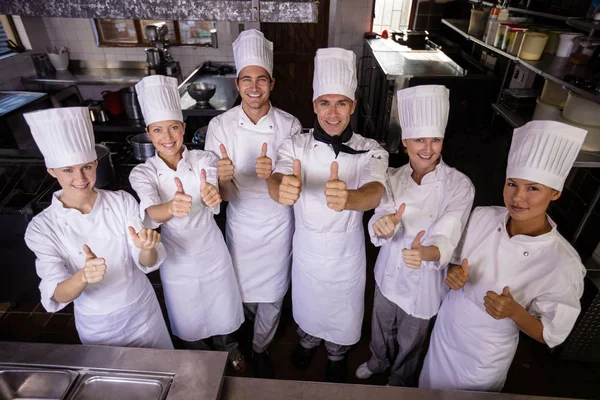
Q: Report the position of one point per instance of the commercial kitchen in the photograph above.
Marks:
(505, 64)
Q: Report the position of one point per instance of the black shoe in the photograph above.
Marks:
(336, 371)
(263, 367)
(301, 357)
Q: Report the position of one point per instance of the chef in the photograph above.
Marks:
(177, 192)
(259, 230)
(90, 245)
(513, 271)
(331, 176)
(418, 226)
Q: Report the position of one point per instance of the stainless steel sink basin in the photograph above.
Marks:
(119, 385)
(23, 383)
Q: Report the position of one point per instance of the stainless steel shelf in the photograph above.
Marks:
(485, 3)
(587, 159)
(515, 119)
(538, 14)
(458, 25)
(548, 66)
(583, 24)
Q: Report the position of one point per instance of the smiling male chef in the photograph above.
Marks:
(331, 176)
(259, 231)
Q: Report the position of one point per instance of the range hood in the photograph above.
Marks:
(301, 11)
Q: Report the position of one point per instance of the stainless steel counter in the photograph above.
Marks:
(109, 77)
(196, 374)
(270, 389)
(398, 61)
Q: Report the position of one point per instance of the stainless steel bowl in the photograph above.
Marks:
(202, 92)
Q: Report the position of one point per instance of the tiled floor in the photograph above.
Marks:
(534, 370)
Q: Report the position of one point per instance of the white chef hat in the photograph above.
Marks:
(159, 99)
(544, 152)
(423, 111)
(251, 48)
(65, 136)
(335, 72)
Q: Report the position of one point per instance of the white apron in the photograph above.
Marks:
(469, 349)
(199, 283)
(329, 261)
(259, 230)
(328, 284)
(120, 310)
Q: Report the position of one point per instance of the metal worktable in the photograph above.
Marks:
(269, 389)
(196, 374)
(84, 72)
(396, 61)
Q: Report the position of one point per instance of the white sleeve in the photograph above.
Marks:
(214, 137)
(386, 207)
(446, 231)
(49, 265)
(132, 219)
(375, 168)
(147, 190)
(558, 307)
(296, 127)
(285, 157)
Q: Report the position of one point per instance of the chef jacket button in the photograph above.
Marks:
(526, 253)
(499, 229)
(190, 169)
(159, 174)
(241, 123)
(270, 126)
(315, 145)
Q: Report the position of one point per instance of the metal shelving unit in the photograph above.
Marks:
(513, 118)
(538, 14)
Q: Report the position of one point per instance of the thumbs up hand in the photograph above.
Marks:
(291, 186)
(458, 275)
(385, 226)
(94, 269)
(502, 305)
(145, 239)
(413, 256)
(210, 194)
(264, 165)
(181, 204)
(336, 191)
(225, 167)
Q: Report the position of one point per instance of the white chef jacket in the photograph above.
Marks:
(470, 350)
(120, 310)
(199, 283)
(440, 206)
(329, 263)
(259, 230)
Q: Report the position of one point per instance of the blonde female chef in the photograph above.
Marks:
(514, 271)
(418, 226)
(177, 192)
(90, 245)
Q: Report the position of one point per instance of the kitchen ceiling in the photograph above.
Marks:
(300, 11)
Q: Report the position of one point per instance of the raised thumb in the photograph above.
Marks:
(179, 185)
(297, 168)
(263, 152)
(202, 178)
(334, 171)
(398, 216)
(417, 240)
(223, 151)
(89, 254)
(465, 266)
(506, 291)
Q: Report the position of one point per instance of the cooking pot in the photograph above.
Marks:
(142, 146)
(112, 102)
(129, 101)
(105, 173)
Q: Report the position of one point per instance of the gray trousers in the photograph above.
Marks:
(335, 352)
(266, 319)
(391, 325)
(219, 342)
